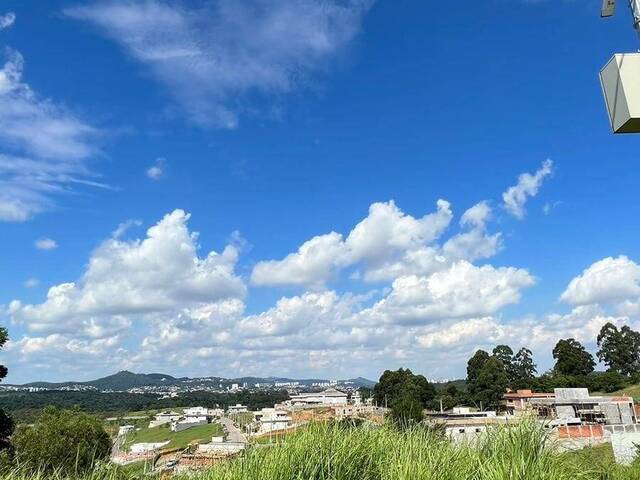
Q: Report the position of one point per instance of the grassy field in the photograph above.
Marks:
(201, 433)
(329, 452)
(334, 452)
(631, 391)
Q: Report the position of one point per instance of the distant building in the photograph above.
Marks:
(272, 420)
(343, 411)
(192, 417)
(520, 400)
(196, 412)
(125, 429)
(216, 412)
(218, 445)
(188, 422)
(139, 448)
(237, 408)
(163, 418)
(576, 405)
(330, 396)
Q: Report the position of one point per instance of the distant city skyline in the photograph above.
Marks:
(308, 189)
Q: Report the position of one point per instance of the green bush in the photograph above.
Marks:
(63, 441)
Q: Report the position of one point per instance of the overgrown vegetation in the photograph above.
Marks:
(68, 441)
(341, 451)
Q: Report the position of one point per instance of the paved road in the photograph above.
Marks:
(234, 433)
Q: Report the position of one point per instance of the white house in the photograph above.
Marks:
(163, 418)
(237, 408)
(124, 429)
(216, 412)
(218, 445)
(139, 448)
(196, 412)
(330, 396)
(272, 420)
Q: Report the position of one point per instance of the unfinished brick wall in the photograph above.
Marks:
(581, 431)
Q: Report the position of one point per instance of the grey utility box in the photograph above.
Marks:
(620, 79)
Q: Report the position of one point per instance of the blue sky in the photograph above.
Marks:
(262, 125)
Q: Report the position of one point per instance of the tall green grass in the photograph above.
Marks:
(336, 452)
(330, 452)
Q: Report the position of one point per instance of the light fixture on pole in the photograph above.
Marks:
(620, 79)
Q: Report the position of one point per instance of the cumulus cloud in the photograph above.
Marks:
(377, 242)
(215, 56)
(43, 147)
(475, 243)
(462, 290)
(385, 245)
(528, 185)
(313, 264)
(465, 332)
(160, 273)
(607, 280)
(7, 20)
(156, 303)
(46, 244)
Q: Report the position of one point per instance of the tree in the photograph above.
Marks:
(504, 353)
(619, 349)
(6, 424)
(608, 382)
(492, 383)
(394, 385)
(474, 365)
(524, 370)
(66, 440)
(406, 411)
(572, 358)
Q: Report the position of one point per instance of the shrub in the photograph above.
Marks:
(66, 441)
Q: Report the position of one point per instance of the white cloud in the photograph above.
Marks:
(125, 279)
(607, 280)
(7, 20)
(462, 290)
(313, 264)
(156, 171)
(528, 185)
(177, 309)
(155, 304)
(215, 57)
(46, 244)
(475, 243)
(466, 332)
(31, 282)
(385, 245)
(379, 242)
(43, 147)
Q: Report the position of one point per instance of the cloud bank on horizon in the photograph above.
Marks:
(414, 292)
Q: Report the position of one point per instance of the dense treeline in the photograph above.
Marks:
(24, 407)
(490, 375)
